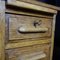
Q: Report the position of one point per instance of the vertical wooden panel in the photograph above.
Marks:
(53, 33)
(2, 29)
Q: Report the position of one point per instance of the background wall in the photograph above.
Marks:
(56, 55)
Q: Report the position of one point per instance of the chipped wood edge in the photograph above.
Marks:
(2, 30)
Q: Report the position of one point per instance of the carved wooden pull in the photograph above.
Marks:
(30, 29)
(33, 56)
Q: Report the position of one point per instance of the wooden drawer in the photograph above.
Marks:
(24, 27)
(35, 52)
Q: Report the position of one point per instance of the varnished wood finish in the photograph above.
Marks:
(17, 21)
(38, 2)
(10, 11)
(53, 34)
(16, 54)
(36, 42)
(30, 6)
(26, 43)
(2, 30)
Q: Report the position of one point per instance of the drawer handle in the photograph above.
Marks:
(37, 23)
(33, 56)
(32, 29)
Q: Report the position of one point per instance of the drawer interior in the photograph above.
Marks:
(24, 27)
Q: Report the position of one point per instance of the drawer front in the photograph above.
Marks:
(23, 27)
(36, 52)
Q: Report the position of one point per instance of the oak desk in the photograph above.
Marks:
(27, 30)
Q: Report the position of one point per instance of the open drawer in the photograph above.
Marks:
(35, 52)
(24, 27)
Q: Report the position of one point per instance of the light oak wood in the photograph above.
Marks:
(26, 43)
(33, 30)
(11, 11)
(30, 6)
(16, 44)
(38, 2)
(2, 30)
(16, 54)
(34, 56)
(27, 21)
(53, 35)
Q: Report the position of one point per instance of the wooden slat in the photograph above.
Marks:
(26, 13)
(30, 6)
(26, 43)
(36, 2)
(2, 30)
(53, 33)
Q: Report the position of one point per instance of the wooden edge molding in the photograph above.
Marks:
(30, 6)
(41, 4)
(2, 30)
(53, 33)
(26, 43)
(26, 13)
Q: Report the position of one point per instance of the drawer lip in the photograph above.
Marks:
(12, 15)
(11, 45)
(10, 11)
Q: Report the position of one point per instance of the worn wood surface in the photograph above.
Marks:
(30, 6)
(38, 2)
(2, 30)
(11, 11)
(26, 43)
(16, 21)
(15, 45)
(53, 35)
(16, 54)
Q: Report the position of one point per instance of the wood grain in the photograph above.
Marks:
(53, 34)
(38, 2)
(26, 43)
(2, 30)
(16, 54)
(30, 6)
(14, 44)
(11, 11)
(16, 21)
